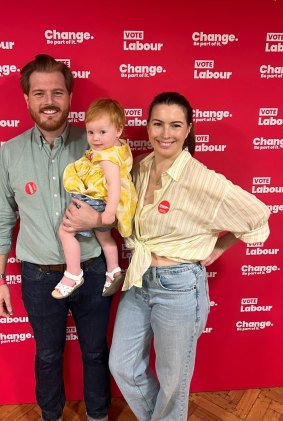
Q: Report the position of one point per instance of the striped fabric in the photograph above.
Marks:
(193, 206)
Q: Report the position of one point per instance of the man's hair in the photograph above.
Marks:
(47, 64)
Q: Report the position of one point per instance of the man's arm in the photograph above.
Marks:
(79, 216)
(6, 309)
(8, 218)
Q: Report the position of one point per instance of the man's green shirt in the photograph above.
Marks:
(31, 185)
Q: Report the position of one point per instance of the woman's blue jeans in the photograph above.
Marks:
(172, 307)
(48, 318)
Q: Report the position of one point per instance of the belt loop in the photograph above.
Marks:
(153, 271)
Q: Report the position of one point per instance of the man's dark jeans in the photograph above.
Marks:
(48, 318)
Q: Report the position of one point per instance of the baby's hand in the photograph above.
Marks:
(107, 218)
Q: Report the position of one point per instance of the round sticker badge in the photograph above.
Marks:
(163, 206)
(30, 188)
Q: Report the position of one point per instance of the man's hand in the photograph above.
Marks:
(80, 216)
(6, 309)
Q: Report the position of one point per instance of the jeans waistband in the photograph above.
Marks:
(178, 268)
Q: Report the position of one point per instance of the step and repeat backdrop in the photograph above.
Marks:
(226, 57)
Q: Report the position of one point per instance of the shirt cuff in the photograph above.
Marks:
(258, 235)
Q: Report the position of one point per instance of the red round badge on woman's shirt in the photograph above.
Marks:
(163, 206)
(30, 187)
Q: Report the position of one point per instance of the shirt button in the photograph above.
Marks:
(55, 195)
(54, 178)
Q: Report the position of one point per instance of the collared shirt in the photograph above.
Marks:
(188, 213)
(31, 182)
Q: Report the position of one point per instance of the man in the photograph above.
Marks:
(31, 168)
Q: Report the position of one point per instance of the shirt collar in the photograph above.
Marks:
(39, 138)
(176, 169)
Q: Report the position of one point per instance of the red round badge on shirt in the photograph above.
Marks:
(163, 206)
(30, 187)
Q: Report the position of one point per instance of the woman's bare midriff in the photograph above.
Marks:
(162, 261)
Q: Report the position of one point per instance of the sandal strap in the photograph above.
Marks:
(107, 284)
(64, 290)
(110, 275)
(75, 278)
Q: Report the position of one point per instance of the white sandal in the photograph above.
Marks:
(62, 290)
(110, 287)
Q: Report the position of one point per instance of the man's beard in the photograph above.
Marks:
(49, 125)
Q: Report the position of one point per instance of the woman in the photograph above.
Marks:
(183, 209)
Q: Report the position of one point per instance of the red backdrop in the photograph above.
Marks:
(226, 57)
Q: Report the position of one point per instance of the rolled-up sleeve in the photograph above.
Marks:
(8, 206)
(243, 214)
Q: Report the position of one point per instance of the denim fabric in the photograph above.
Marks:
(99, 206)
(172, 306)
(48, 318)
(58, 419)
